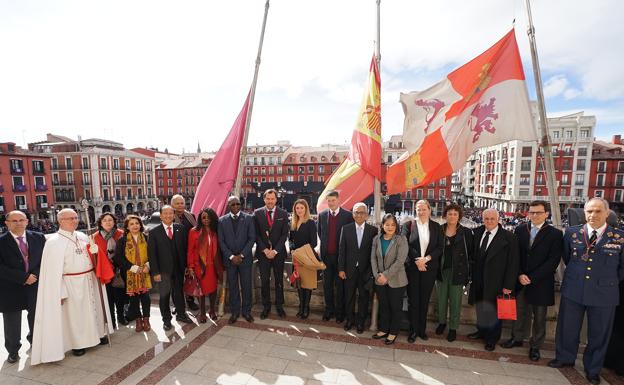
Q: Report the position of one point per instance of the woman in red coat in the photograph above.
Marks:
(106, 240)
(204, 260)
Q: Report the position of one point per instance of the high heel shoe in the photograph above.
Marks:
(389, 341)
(146, 324)
(380, 336)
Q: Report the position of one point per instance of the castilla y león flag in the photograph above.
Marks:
(482, 103)
(218, 180)
(355, 178)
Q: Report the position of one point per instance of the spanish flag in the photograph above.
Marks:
(355, 178)
(482, 103)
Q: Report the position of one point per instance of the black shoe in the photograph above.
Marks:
(389, 341)
(475, 336)
(13, 358)
(593, 379)
(185, 319)
(452, 335)
(360, 329)
(348, 326)
(411, 338)
(328, 316)
(490, 347)
(265, 313)
(534, 354)
(511, 343)
(122, 321)
(440, 329)
(280, 312)
(339, 319)
(167, 325)
(233, 318)
(380, 336)
(248, 318)
(558, 364)
(104, 341)
(78, 352)
(192, 305)
(423, 336)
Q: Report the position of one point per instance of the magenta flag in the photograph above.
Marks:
(219, 178)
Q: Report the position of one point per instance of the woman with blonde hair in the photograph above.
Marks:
(131, 255)
(302, 232)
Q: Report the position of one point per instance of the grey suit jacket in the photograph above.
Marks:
(393, 265)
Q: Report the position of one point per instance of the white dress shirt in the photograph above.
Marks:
(423, 236)
(599, 231)
(492, 234)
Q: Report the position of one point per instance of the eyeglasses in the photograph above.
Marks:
(18, 220)
(360, 213)
(537, 212)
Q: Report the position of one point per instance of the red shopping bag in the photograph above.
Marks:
(506, 307)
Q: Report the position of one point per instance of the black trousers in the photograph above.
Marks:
(277, 265)
(599, 328)
(356, 284)
(419, 287)
(13, 324)
(171, 286)
(331, 280)
(390, 308)
(488, 324)
(117, 298)
(135, 300)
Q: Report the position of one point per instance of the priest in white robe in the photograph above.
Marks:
(69, 311)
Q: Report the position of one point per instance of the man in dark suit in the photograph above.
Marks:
(166, 247)
(494, 272)
(330, 223)
(426, 244)
(594, 258)
(187, 221)
(20, 258)
(540, 248)
(271, 234)
(354, 265)
(236, 238)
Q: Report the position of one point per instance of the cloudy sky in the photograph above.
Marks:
(170, 74)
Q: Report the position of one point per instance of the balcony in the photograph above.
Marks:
(39, 170)
(22, 207)
(69, 198)
(62, 183)
(118, 197)
(42, 205)
(130, 197)
(105, 183)
(62, 167)
(19, 188)
(17, 171)
(41, 187)
(103, 167)
(1, 188)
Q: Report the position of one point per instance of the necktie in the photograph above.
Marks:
(359, 236)
(593, 237)
(169, 232)
(333, 213)
(484, 244)
(235, 217)
(24, 249)
(271, 214)
(534, 230)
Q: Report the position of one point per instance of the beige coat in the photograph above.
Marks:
(307, 265)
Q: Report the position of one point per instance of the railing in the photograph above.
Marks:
(15, 170)
(19, 188)
(38, 170)
(41, 187)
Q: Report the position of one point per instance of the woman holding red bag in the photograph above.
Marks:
(204, 260)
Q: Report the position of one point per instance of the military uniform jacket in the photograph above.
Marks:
(592, 276)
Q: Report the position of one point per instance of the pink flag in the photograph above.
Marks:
(218, 181)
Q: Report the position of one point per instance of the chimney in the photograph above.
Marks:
(617, 139)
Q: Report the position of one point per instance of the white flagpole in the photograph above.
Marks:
(241, 160)
(545, 143)
(377, 188)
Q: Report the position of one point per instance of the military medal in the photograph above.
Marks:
(589, 246)
(76, 242)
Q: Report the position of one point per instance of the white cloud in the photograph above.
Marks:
(555, 86)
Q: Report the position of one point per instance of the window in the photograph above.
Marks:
(619, 180)
(566, 165)
(138, 165)
(617, 196)
(148, 165)
(599, 193)
(523, 192)
(68, 162)
(310, 169)
(442, 182)
(584, 133)
(70, 178)
(38, 166)
(115, 164)
(579, 180)
(513, 152)
(580, 165)
(525, 165)
(127, 164)
(40, 183)
(569, 134)
(582, 151)
(579, 192)
(300, 170)
(419, 193)
(565, 179)
(539, 180)
(555, 134)
(20, 202)
(128, 179)
(525, 179)
(527, 151)
(602, 166)
(620, 167)
(442, 194)
(310, 178)
(17, 166)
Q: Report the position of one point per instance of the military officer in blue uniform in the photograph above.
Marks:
(594, 258)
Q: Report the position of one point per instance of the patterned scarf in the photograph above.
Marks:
(110, 242)
(136, 254)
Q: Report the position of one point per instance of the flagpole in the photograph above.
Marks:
(252, 93)
(239, 175)
(545, 143)
(377, 188)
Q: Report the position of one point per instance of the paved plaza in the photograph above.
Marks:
(289, 352)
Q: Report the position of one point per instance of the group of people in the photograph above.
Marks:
(63, 282)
